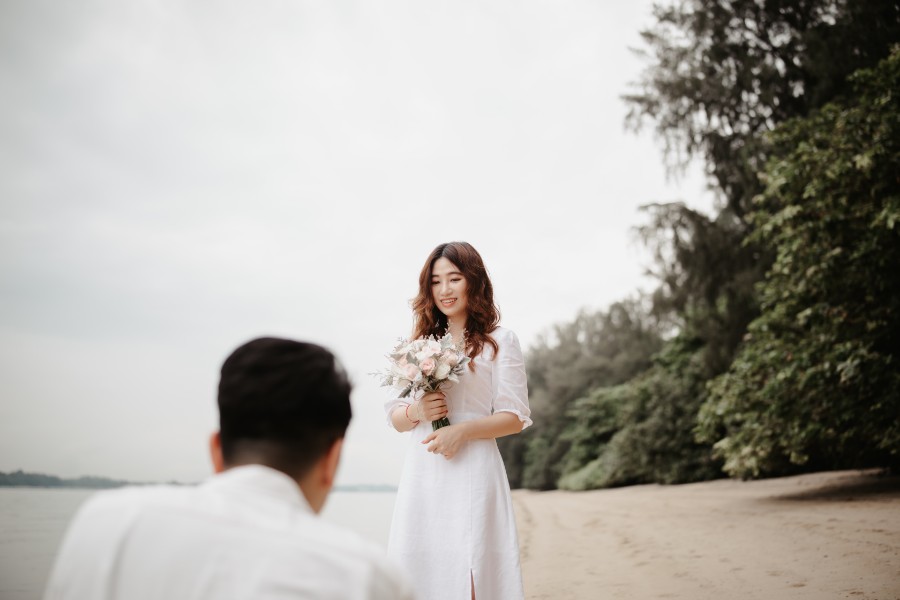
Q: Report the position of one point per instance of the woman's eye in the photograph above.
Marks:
(435, 282)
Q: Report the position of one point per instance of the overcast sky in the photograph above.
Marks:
(179, 177)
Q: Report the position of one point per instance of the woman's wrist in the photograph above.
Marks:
(466, 428)
(412, 415)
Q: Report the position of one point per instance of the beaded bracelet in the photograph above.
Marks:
(408, 417)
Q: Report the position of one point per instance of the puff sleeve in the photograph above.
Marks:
(509, 382)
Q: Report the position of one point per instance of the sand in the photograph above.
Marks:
(819, 536)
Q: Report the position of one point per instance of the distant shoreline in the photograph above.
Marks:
(41, 480)
(18, 479)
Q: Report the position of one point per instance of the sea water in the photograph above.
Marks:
(34, 520)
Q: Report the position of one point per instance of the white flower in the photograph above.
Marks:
(442, 371)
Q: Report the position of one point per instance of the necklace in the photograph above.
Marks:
(461, 342)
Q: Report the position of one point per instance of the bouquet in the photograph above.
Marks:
(424, 365)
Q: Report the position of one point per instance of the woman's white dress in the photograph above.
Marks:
(453, 519)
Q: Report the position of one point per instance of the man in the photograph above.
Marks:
(251, 530)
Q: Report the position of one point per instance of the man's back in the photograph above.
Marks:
(246, 533)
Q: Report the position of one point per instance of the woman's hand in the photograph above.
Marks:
(429, 407)
(432, 406)
(447, 440)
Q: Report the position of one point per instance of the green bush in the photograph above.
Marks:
(817, 381)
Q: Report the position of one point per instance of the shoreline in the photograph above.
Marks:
(816, 536)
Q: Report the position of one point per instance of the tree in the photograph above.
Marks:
(642, 431)
(816, 383)
(725, 72)
(706, 276)
(595, 350)
(723, 75)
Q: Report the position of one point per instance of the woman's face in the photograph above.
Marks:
(449, 289)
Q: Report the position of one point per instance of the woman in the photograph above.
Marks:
(454, 532)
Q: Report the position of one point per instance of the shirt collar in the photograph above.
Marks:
(259, 479)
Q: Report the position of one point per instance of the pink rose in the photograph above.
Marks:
(429, 349)
(427, 366)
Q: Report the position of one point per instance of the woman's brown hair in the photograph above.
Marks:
(483, 316)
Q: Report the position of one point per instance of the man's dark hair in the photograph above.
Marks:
(282, 403)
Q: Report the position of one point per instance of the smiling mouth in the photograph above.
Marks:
(448, 302)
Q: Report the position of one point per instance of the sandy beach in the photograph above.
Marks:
(819, 536)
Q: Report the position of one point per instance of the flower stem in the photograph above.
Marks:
(442, 422)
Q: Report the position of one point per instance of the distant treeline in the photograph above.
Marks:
(21, 478)
(771, 344)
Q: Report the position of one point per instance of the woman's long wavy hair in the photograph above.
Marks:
(483, 316)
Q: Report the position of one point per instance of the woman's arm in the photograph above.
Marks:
(429, 407)
(448, 440)
(497, 425)
(401, 421)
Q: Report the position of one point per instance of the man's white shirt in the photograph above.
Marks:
(245, 533)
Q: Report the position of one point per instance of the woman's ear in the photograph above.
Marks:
(215, 452)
